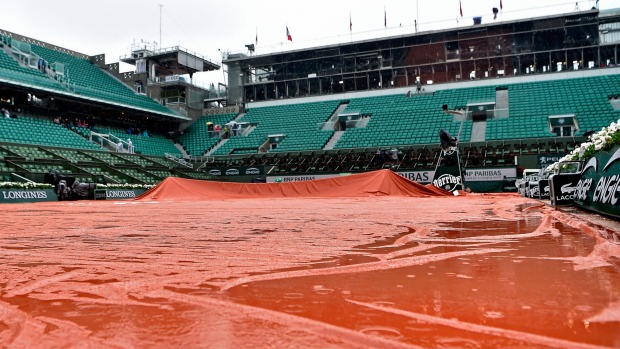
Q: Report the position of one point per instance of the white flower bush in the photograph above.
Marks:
(125, 186)
(33, 185)
(605, 139)
(27, 185)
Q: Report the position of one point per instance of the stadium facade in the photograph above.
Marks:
(581, 40)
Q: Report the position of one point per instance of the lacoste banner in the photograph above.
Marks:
(562, 188)
(599, 186)
(27, 195)
(543, 189)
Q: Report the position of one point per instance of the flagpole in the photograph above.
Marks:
(384, 18)
(350, 27)
(417, 15)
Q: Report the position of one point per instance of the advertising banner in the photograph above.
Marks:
(489, 174)
(544, 160)
(422, 177)
(117, 194)
(236, 171)
(286, 179)
(543, 189)
(598, 189)
(448, 174)
(26, 195)
(562, 188)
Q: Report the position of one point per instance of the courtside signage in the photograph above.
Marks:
(418, 176)
(598, 188)
(485, 174)
(29, 195)
(236, 171)
(117, 194)
(288, 179)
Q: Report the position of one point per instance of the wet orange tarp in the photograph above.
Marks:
(376, 183)
(475, 271)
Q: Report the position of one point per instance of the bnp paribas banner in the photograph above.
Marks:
(599, 186)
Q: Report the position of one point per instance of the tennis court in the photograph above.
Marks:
(473, 271)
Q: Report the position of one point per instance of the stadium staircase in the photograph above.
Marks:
(217, 146)
(196, 139)
(478, 131)
(333, 140)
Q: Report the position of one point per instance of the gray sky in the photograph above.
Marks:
(207, 26)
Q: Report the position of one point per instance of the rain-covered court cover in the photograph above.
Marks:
(382, 264)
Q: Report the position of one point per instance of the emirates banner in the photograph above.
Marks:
(598, 189)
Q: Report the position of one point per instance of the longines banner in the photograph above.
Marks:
(117, 194)
(599, 186)
(236, 171)
(30, 195)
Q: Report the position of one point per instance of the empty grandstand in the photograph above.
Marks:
(521, 92)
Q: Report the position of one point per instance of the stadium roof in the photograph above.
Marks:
(174, 60)
(259, 59)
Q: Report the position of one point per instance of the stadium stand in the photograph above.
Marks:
(152, 144)
(41, 132)
(298, 123)
(197, 140)
(11, 70)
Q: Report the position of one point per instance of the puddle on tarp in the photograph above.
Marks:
(485, 297)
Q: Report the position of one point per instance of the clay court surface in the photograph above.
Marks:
(481, 271)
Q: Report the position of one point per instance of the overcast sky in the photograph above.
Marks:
(206, 26)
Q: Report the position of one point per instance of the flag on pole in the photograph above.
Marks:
(501, 6)
(461, 8)
(256, 40)
(288, 34)
(384, 18)
(350, 23)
